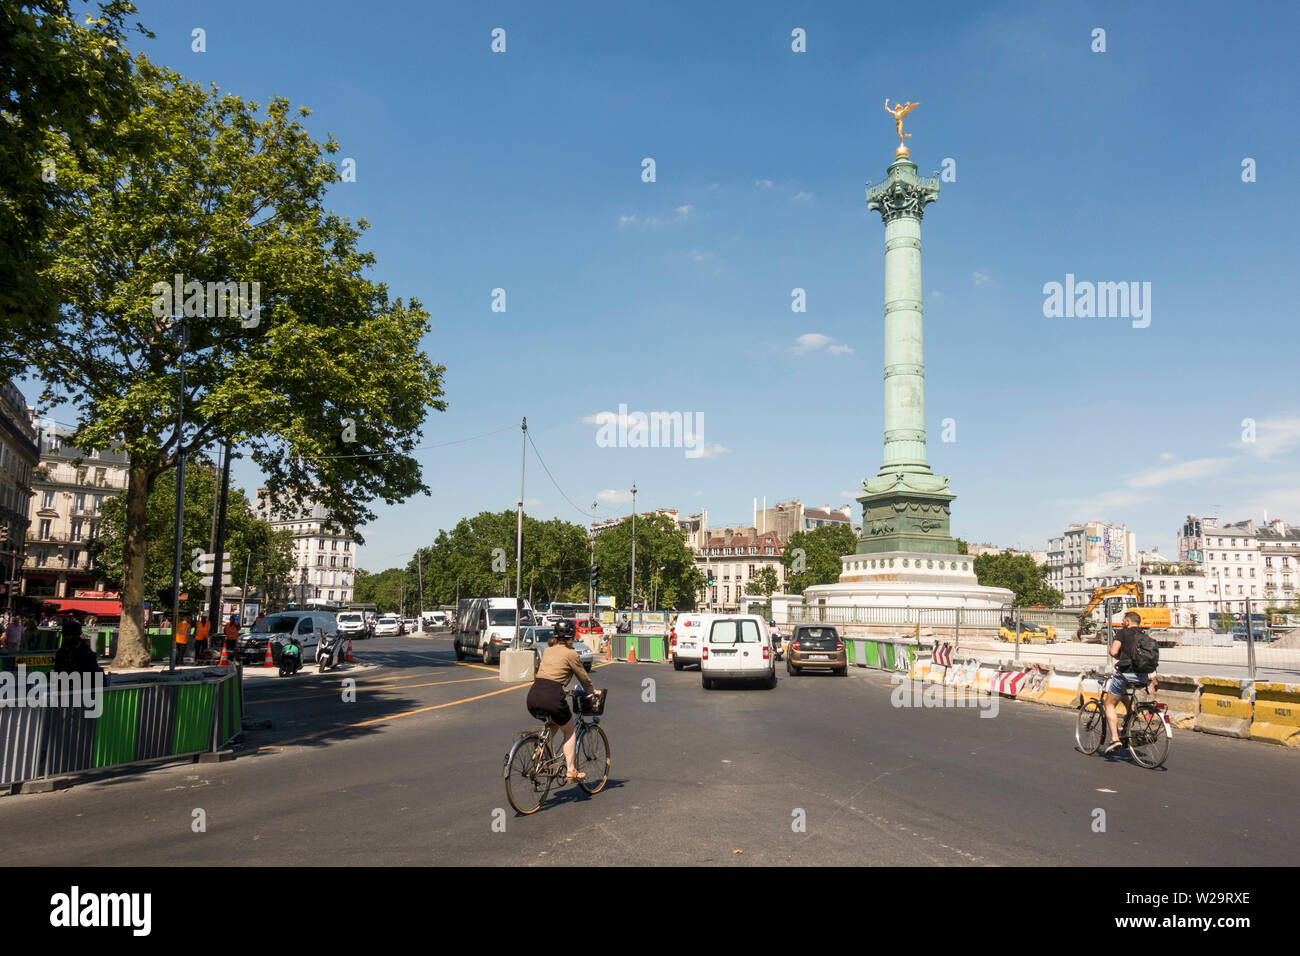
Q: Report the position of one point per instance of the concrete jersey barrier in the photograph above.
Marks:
(1179, 693)
(1277, 714)
(1225, 707)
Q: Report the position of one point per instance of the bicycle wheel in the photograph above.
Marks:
(592, 758)
(1091, 727)
(1147, 740)
(527, 781)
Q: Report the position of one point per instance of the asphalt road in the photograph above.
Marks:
(410, 774)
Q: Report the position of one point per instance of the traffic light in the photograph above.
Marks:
(595, 573)
(710, 579)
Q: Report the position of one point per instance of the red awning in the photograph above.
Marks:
(100, 608)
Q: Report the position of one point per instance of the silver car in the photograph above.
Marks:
(535, 639)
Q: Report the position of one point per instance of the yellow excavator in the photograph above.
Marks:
(1152, 617)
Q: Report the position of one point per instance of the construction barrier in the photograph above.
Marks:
(942, 654)
(146, 719)
(962, 674)
(984, 678)
(1277, 714)
(639, 647)
(1225, 707)
(1006, 682)
(1035, 683)
(1062, 689)
(870, 654)
(1179, 693)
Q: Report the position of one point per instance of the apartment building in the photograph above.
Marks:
(1243, 559)
(68, 489)
(19, 457)
(1085, 553)
(324, 556)
(734, 557)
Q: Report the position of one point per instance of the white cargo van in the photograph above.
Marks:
(686, 637)
(736, 647)
(486, 626)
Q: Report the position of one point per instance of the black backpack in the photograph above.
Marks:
(1146, 653)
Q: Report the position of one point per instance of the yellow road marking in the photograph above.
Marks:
(381, 720)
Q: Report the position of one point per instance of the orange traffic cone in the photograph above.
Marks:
(350, 659)
(631, 652)
(223, 662)
(268, 662)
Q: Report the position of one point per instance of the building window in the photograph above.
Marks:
(47, 500)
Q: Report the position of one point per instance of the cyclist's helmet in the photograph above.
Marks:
(564, 629)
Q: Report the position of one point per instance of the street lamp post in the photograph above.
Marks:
(180, 496)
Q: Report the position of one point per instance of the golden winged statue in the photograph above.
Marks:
(898, 111)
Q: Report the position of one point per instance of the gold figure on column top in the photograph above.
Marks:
(898, 111)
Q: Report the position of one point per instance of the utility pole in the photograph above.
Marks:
(212, 528)
(634, 547)
(180, 496)
(519, 532)
(419, 573)
(591, 574)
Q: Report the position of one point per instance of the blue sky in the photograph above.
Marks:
(522, 171)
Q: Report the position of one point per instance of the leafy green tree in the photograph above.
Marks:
(962, 547)
(818, 551)
(764, 582)
(384, 589)
(662, 560)
(253, 544)
(1020, 574)
(64, 87)
(324, 380)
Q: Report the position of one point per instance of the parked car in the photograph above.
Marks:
(736, 647)
(275, 629)
(537, 638)
(410, 625)
(817, 647)
(353, 624)
(686, 637)
(589, 628)
(389, 625)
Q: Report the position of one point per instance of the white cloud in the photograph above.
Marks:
(685, 211)
(802, 195)
(936, 294)
(1166, 456)
(849, 494)
(713, 450)
(763, 183)
(1273, 437)
(532, 502)
(980, 278)
(1183, 471)
(701, 255)
(813, 341)
(612, 497)
(653, 222)
(700, 492)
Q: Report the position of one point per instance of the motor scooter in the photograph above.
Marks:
(329, 651)
(290, 658)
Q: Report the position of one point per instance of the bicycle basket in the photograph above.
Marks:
(593, 705)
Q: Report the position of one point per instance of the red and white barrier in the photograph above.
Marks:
(1006, 683)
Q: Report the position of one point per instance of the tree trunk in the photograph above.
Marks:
(132, 643)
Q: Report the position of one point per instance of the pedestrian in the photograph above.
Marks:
(183, 641)
(74, 654)
(13, 636)
(231, 633)
(203, 631)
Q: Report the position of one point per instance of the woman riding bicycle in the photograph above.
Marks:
(559, 663)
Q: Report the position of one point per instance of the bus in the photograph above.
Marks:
(570, 611)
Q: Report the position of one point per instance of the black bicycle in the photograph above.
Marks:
(536, 760)
(1144, 726)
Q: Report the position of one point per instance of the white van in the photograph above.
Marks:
(486, 626)
(686, 637)
(736, 647)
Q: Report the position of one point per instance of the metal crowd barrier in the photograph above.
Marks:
(147, 718)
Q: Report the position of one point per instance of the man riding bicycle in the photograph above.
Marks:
(559, 663)
(1122, 648)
